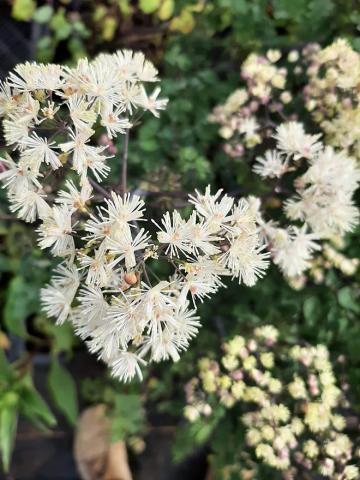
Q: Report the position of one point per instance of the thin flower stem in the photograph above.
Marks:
(99, 188)
(124, 159)
(145, 273)
(177, 269)
(154, 274)
(147, 193)
(5, 217)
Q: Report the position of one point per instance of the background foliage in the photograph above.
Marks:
(198, 47)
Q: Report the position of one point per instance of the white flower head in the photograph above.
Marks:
(272, 165)
(292, 140)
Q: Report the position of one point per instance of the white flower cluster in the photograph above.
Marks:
(125, 318)
(312, 182)
(51, 114)
(324, 196)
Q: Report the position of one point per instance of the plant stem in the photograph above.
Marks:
(146, 274)
(124, 159)
(99, 188)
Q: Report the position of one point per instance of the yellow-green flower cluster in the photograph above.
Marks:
(287, 402)
(331, 257)
(263, 74)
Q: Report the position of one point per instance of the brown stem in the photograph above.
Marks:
(168, 193)
(11, 218)
(124, 159)
(99, 188)
(146, 274)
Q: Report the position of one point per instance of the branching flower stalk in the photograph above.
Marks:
(124, 161)
(52, 119)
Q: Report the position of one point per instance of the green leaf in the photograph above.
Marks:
(5, 367)
(283, 9)
(80, 28)
(149, 6)
(60, 25)
(5, 264)
(127, 416)
(23, 9)
(99, 13)
(8, 423)
(197, 433)
(43, 14)
(19, 305)
(312, 310)
(346, 298)
(63, 391)
(76, 47)
(63, 337)
(45, 49)
(32, 405)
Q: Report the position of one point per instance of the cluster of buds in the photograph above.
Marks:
(241, 116)
(287, 400)
(332, 93)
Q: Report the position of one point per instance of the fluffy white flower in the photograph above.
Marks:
(245, 259)
(272, 165)
(292, 249)
(215, 211)
(124, 247)
(201, 236)
(73, 198)
(29, 205)
(37, 150)
(174, 233)
(124, 210)
(152, 102)
(134, 66)
(325, 193)
(126, 366)
(99, 272)
(17, 177)
(113, 123)
(57, 297)
(81, 112)
(186, 323)
(93, 308)
(86, 156)
(16, 130)
(56, 232)
(292, 140)
(201, 278)
(32, 76)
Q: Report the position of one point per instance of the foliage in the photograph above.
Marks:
(198, 49)
(18, 396)
(22, 321)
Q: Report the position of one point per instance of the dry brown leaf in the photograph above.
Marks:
(117, 467)
(96, 458)
(91, 443)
